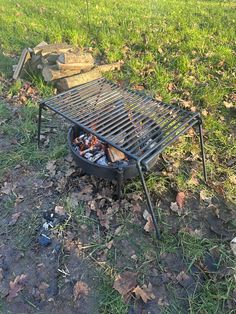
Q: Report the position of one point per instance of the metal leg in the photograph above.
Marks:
(39, 123)
(149, 203)
(120, 180)
(202, 151)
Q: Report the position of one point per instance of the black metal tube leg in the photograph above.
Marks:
(39, 123)
(202, 151)
(149, 203)
(119, 184)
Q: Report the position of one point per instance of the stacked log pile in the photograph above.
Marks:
(61, 64)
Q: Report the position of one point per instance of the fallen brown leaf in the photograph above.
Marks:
(138, 87)
(81, 289)
(182, 276)
(16, 286)
(137, 208)
(149, 224)
(125, 283)
(145, 293)
(175, 208)
(109, 244)
(180, 198)
(228, 105)
(14, 218)
(43, 286)
(171, 86)
(60, 210)
(204, 112)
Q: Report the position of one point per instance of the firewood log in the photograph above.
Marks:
(72, 57)
(25, 56)
(115, 154)
(51, 73)
(50, 59)
(82, 78)
(81, 67)
(39, 47)
(54, 48)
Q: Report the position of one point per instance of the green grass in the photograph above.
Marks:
(184, 42)
(22, 128)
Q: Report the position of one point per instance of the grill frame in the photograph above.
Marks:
(86, 97)
(58, 104)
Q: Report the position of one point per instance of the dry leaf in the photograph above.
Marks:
(204, 112)
(233, 245)
(51, 167)
(19, 199)
(149, 225)
(60, 210)
(171, 86)
(14, 218)
(205, 198)
(7, 188)
(138, 87)
(118, 230)
(145, 293)
(16, 286)
(182, 276)
(180, 198)
(109, 244)
(232, 179)
(137, 208)
(146, 214)
(86, 194)
(80, 289)
(125, 283)
(43, 286)
(175, 208)
(228, 105)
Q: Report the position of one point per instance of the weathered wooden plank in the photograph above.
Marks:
(25, 56)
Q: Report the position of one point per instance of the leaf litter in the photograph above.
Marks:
(125, 283)
(16, 286)
(80, 290)
(145, 292)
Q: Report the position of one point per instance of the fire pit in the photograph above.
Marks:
(94, 164)
(119, 133)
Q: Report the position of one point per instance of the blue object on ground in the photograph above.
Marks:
(44, 240)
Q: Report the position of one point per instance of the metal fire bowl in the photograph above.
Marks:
(105, 172)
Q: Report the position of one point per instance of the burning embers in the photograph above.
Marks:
(91, 148)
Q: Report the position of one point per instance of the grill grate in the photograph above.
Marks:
(138, 125)
(135, 124)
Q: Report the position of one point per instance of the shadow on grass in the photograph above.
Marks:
(6, 63)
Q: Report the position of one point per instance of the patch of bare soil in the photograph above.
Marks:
(48, 254)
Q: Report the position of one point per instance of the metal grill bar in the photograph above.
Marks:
(121, 123)
(111, 113)
(157, 137)
(98, 114)
(89, 108)
(128, 131)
